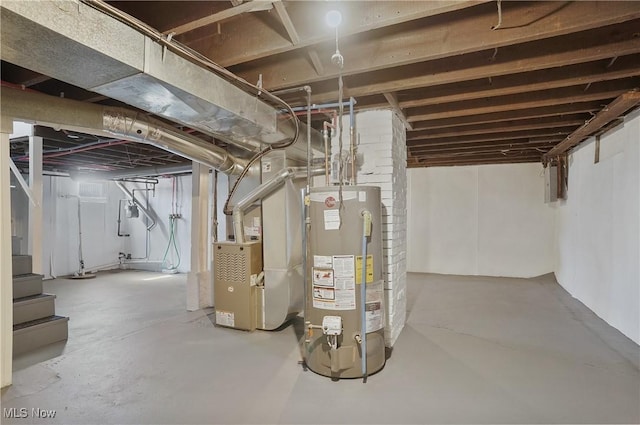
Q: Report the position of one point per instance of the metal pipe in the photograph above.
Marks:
(138, 204)
(333, 354)
(325, 136)
(25, 187)
(260, 192)
(120, 218)
(324, 105)
(108, 121)
(81, 271)
(214, 207)
(309, 153)
(130, 124)
(305, 247)
(366, 231)
(352, 136)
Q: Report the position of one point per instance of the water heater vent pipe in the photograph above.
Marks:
(263, 190)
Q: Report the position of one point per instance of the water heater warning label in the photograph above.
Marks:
(331, 219)
(369, 268)
(334, 286)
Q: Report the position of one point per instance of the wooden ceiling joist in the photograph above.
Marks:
(458, 162)
(240, 42)
(522, 82)
(393, 102)
(492, 137)
(615, 109)
(493, 146)
(598, 91)
(509, 116)
(220, 16)
(437, 38)
(466, 94)
(520, 59)
(519, 125)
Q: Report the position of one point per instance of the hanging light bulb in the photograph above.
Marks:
(333, 18)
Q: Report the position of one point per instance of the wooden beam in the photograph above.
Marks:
(466, 147)
(35, 80)
(286, 22)
(599, 91)
(472, 155)
(520, 114)
(544, 143)
(533, 56)
(487, 159)
(506, 151)
(544, 79)
(464, 32)
(520, 125)
(220, 16)
(493, 137)
(240, 44)
(295, 37)
(393, 101)
(315, 61)
(457, 162)
(615, 109)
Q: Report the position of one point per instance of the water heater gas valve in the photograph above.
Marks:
(332, 325)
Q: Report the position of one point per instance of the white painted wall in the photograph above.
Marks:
(598, 228)
(101, 245)
(488, 220)
(60, 240)
(160, 203)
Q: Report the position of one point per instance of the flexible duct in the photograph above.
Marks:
(108, 121)
(130, 124)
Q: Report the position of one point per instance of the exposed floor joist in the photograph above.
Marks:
(459, 86)
(612, 111)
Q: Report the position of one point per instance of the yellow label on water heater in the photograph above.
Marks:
(359, 269)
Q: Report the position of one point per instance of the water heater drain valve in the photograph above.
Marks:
(332, 325)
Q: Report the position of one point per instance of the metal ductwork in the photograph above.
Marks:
(75, 43)
(110, 121)
(265, 189)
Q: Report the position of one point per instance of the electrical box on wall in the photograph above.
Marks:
(550, 183)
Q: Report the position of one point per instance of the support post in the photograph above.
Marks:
(35, 211)
(6, 278)
(199, 282)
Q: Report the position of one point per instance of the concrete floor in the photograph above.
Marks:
(474, 350)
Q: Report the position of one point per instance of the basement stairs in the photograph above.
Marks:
(35, 323)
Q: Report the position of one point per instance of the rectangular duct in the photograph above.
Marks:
(77, 44)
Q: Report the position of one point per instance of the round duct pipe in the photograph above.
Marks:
(124, 123)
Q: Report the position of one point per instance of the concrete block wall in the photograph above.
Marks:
(382, 148)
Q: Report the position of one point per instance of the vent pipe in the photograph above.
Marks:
(124, 123)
